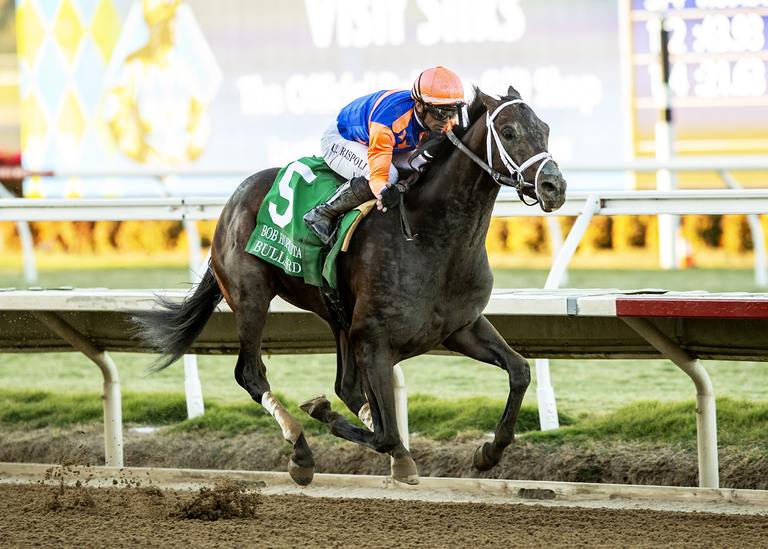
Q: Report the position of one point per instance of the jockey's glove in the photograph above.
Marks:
(390, 197)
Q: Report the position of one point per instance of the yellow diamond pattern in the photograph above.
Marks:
(30, 32)
(68, 30)
(71, 120)
(34, 125)
(105, 28)
(51, 134)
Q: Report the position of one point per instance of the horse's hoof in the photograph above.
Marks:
(316, 407)
(404, 470)
(483, 460)
(301, 475)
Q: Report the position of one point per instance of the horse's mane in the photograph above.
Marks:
(475, 110)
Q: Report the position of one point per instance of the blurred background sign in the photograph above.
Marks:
(141, 86)
(719, 81)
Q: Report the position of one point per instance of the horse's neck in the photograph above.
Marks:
(459, 194)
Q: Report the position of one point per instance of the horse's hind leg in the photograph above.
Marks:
(252, 377)
(481, 341)
(251, 373)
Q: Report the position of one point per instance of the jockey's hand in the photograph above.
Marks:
(390, 197)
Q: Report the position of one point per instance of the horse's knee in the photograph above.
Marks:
(386, 442)
(519, 373)
(345, 391)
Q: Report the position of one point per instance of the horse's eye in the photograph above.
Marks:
(507, 133)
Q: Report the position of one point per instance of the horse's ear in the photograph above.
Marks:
(489, 101)
(513, 93)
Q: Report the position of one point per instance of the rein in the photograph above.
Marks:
(515, 179)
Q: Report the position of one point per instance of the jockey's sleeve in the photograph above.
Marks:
(380, 146)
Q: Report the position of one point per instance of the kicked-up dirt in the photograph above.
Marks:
(55, 515)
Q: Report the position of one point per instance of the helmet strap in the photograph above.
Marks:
(420, 110)
(463, 116)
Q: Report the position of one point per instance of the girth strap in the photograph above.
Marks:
(335, 306)
(403, 187)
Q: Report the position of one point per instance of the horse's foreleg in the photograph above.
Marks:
(348, 386)
(375, 370)
(349, 390)
(481, 341)
(320, 409)
(376, 364)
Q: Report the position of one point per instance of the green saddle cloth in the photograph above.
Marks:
(282, 238)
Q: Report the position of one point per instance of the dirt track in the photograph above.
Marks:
(57, 516)
(52, 515)
(615, 463)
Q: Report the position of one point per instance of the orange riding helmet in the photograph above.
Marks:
(438, 86)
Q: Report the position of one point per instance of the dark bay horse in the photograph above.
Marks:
(404, 298)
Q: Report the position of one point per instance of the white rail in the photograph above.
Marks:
(745, 163)
(705, 202)
(105, 209)
(715, 202)
(738, 163)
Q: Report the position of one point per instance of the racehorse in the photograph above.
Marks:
(403, 297)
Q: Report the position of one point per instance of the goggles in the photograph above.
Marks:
(443, 113)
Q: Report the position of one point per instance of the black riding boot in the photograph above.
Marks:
(322, 218)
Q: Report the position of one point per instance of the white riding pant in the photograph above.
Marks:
(349, 159)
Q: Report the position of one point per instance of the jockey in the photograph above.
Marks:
(374, 135)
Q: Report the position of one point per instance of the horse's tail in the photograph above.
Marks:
(172, 329)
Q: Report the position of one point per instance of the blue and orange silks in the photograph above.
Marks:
(384, 121)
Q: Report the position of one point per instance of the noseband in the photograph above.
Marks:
(515, 179)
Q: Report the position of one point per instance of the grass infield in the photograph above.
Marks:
(740, 422)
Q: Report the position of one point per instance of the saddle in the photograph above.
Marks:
(364, 209)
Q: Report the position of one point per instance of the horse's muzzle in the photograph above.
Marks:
(551, 191)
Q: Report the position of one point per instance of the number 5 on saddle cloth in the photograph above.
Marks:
(282, 238)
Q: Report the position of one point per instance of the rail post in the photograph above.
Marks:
(193, 389)
(706, 415)
(545, 393)
(666, 179)
(113, 407)
(27, 244)
(758, 237)
(556, 242)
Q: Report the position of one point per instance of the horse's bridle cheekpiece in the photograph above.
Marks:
(516, 179)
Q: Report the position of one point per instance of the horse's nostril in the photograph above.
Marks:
(547, 187)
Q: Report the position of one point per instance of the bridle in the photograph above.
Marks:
(515, 179)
